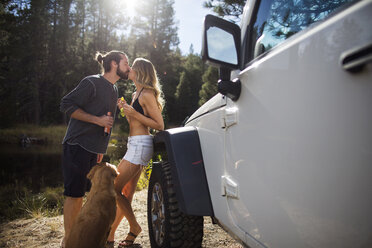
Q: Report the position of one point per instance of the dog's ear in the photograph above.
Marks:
(92, 171)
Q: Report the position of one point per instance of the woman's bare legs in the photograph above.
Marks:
(128, 192)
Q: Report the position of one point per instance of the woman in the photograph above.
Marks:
(143, 113)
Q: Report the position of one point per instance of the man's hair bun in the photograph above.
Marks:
(99, 58)
(105, 59)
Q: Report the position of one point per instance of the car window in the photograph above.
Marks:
(277, 20)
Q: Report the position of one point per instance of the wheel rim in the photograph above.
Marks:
(158, 214)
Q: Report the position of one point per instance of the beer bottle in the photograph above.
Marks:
(107, 129)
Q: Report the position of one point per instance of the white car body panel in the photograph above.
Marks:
(299, 157)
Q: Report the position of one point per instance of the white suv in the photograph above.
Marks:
(282, 156)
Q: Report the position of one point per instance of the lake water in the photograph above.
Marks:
(37, 166)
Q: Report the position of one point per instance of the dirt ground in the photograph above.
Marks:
(48, 232)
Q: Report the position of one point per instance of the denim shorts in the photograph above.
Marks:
(139, 149)
(76, 164)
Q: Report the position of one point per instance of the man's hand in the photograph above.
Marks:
(105, 121)
(99, 158)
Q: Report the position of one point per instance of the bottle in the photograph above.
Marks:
(122, 110)
(107, 129)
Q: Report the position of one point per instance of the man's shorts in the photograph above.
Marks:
(76, 163)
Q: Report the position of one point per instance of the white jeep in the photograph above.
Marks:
(282, 156)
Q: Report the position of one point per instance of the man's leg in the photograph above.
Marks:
(76, 164)
(71, 209)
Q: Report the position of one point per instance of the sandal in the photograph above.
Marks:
(62, 243)
(129, 242)
(110, 244)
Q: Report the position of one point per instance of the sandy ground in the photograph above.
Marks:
(48, 232)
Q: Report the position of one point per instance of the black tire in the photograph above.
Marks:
(168, 226)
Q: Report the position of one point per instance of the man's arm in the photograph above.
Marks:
(103, 121)
(78, 97)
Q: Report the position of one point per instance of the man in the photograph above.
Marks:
(86, 139)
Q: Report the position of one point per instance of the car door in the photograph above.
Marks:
(298, 147)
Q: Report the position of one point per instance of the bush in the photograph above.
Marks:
(143, 182)
(22, 203)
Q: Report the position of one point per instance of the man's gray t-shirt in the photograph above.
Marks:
(96, 96)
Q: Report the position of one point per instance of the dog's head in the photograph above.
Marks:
(102, 173)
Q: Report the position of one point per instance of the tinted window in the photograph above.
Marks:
(277, 20)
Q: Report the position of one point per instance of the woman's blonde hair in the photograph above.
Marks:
(147, 77)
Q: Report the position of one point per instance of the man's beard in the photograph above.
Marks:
(122, 74)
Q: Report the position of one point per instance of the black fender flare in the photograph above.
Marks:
(182, 146)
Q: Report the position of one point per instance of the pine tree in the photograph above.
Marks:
(8, 26)
(154, 36)
(209, 88)
(232, 9)
(187, 94)
(34, 60)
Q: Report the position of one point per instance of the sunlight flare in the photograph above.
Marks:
(129, 6)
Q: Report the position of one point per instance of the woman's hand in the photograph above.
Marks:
(129, 110)
(120, 103)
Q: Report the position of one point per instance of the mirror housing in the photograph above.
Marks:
(221, 48)
(231, 89)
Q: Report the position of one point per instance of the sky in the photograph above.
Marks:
(190, 15)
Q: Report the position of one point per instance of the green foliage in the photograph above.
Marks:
(187, 93)
(47, 47)
(154, 36)
(22, 202)
(144, 179)
(227, 8)
(209, 87)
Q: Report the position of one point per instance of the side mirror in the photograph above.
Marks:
(221, 42)
(221, 48)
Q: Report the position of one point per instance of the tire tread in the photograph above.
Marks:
(183, 230)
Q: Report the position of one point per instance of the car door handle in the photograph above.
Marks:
(229, 187)
(355, 59)
(230, 117)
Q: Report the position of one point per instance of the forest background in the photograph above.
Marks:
(48, 46)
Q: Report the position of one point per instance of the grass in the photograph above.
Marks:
(19, 202)
(22, 203)
(49, 134)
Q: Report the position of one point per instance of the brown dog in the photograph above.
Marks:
(94, 221)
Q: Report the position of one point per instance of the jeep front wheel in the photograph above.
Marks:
(168, 226)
